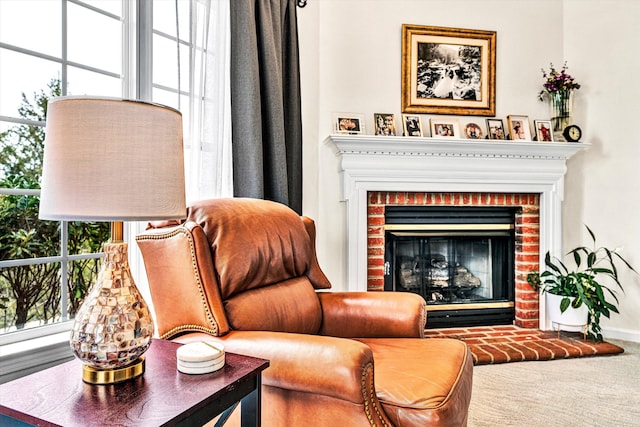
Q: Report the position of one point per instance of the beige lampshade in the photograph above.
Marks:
(111, 159)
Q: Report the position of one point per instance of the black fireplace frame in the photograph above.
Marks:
(426, 222)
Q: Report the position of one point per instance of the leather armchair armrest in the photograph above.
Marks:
(336, 367)
(373, 314)
(179, 268)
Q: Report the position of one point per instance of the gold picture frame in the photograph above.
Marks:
(384, 124)
(448, 71)
(495, 129)
(519, 129)
(473, 130)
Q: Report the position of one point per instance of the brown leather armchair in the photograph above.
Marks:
(244, 272)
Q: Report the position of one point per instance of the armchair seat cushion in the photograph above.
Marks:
(422, 381)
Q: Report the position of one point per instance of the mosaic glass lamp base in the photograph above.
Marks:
(113, 327)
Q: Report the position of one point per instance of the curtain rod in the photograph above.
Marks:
(302, 3)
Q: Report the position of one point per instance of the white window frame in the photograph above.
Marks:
(26, 351)
(30, 350)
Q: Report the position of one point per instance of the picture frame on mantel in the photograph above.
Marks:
(448, 71)
(384, 124)
(495, 128)
(544, 130)
(445, 128)
(519, 129)
(349, 123)
(473, 130)
(412, 125)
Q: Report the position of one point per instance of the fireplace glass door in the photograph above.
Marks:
(465, 272)
(452, 270)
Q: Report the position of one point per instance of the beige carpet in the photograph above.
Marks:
(593, 391)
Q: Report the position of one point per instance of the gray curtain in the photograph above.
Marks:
(265, 101)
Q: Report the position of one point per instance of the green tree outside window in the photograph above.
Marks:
(32, 292)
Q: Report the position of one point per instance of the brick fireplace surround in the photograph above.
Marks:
(378, 171)
(527, 235)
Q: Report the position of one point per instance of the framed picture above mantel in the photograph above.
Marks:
(448, 71)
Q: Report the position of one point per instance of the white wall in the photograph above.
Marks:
(603, 183)
(351, 62)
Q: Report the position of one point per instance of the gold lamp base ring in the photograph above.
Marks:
(93, 375)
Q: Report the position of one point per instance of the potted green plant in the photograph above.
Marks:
(593, 284)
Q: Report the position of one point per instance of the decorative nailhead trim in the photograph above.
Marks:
(190, 328)
(423, 319)
(194, 264)
(369, 397)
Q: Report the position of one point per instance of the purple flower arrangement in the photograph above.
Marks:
(557, 81)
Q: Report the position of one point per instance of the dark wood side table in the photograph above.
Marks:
(161, 397)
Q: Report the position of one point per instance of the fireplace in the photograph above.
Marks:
(377, 172)
(459, 259)
(506, 226)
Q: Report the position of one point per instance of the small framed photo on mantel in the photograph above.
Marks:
(519, 128)
(495, 129)
(412, 125)
(384, 124)
(543, 130)
(473, 130)
(349, 123)
(445, 128)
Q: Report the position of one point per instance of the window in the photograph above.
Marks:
(48, 48)
(74, 47)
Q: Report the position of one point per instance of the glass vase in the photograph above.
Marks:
(561, 110)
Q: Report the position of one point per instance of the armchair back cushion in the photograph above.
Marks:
(256, 243)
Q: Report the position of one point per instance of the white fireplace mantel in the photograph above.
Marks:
(409, 164)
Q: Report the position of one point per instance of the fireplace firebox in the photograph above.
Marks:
(459, 259)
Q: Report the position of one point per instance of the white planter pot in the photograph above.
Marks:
(572, 320)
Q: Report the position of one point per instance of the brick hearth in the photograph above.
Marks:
(527, 235)
(501, 344)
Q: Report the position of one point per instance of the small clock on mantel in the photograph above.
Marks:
(572, 133)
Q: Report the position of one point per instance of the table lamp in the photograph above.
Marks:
(112, 160)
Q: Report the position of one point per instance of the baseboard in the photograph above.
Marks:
(621, 334)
